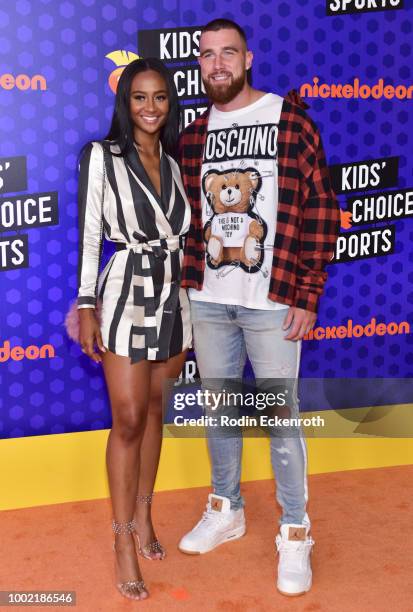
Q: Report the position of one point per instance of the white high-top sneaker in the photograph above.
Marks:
(294, 546)
(218, 524)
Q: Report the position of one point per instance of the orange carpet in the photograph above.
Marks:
(362, 561)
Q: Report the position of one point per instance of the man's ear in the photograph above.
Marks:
(249, 56)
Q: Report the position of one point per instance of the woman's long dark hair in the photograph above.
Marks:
(121, 129)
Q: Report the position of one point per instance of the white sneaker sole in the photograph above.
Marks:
(234, 534)
(287, 594)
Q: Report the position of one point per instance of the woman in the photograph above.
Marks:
(130, 190)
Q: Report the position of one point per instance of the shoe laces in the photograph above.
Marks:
(293, 551)
(211, 516)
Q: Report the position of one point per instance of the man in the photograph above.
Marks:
(264, 225)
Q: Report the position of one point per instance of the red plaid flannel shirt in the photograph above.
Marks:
(308, 215)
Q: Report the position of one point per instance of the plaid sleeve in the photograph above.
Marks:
(320, 219)
(190, 158)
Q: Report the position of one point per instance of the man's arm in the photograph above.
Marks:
(193, 255)
(318, 232)
(320, 221)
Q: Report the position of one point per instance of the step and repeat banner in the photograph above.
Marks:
(350, 60)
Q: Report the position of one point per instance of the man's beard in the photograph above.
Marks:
(222, 94)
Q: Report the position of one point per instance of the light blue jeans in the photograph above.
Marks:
(223, 337)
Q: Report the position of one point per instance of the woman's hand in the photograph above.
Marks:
(90, 335)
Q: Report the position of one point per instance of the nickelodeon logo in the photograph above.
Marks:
(17, 353)
(121, 59)
(23, 82)
(349, 330)
(355, 90)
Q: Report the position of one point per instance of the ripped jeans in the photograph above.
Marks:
(223, 337)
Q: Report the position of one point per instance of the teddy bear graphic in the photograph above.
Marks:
(234, 234)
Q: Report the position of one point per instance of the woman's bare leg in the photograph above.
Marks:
(129, 389)
(152, 442)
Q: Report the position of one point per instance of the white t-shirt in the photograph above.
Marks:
(239, 204)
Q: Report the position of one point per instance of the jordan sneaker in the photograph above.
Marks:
(294, 547)
(218, 524)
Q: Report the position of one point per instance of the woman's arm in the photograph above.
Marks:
(90, 195)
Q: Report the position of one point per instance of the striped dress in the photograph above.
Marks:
(145, 313)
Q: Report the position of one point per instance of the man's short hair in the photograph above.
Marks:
(224, 24)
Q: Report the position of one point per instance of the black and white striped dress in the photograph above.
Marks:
(145, 313)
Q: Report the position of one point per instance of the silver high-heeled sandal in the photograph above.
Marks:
(132, 589)
(155, 547)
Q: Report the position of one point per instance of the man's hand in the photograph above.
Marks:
(90, 334)
(299, 321)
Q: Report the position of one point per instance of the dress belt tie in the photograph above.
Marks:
(157, 247)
